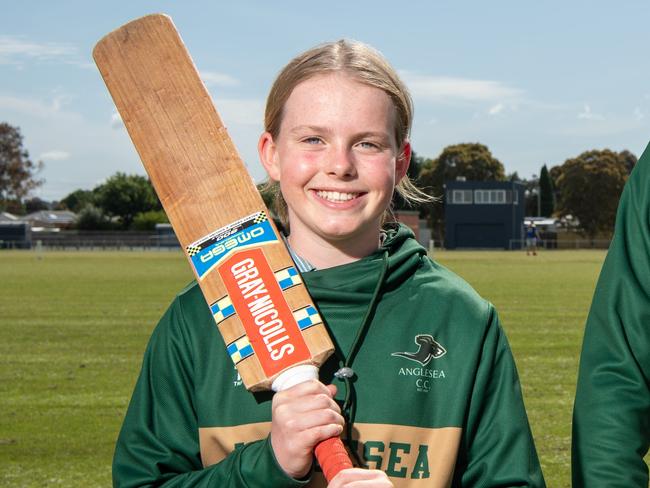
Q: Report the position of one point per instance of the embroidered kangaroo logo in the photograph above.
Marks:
(428, 349)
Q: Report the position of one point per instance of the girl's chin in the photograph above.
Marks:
(341, 231)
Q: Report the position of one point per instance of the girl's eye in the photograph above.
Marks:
(312, 140)
(368, 145)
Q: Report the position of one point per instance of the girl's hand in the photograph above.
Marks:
(360, 478)
(301, 417)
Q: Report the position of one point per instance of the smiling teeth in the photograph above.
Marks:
(335, 196)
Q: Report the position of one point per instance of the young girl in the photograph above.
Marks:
(431, 397)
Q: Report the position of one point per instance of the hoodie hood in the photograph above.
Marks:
(355, 283)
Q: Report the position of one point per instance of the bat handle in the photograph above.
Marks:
(332, 457)
(331, 453)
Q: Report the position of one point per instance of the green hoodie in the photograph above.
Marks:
(611, 417)
(435, 400)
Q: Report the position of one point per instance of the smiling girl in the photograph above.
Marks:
(425, 388)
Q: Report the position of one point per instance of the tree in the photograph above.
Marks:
(148, 220)
(17, 171)
(555, 173)
(92, 218)
(514, 176)
(547, 199)
(473, 161)
(630, 160)
(124, 196)
(531, 196)
(77, 200)
(35, 204)
(590, 186)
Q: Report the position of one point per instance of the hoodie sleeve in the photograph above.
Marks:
(498, 445)
(611, 416)
(158, 444)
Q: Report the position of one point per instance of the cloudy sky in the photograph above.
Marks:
(537, 82)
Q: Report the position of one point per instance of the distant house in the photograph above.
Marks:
(50, 219)
(7, 217)
(483, 214)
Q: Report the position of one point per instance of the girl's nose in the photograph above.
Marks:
(341, 163)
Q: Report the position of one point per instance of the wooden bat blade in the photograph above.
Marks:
(257, 298)
(211, 201)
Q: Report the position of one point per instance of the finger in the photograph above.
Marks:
(306, 403)
(302, 390)
(297, 422)
(360, 478)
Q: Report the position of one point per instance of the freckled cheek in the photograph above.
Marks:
(381, 174)
(308, 160)
(299, 168)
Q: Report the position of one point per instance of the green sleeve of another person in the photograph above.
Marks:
(611, 417)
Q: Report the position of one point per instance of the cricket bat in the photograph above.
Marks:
(270, 326)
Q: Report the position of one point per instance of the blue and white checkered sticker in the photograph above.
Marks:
(222, 309)
(288, 277)
(252, 231)
(240, 349)
(306, 317)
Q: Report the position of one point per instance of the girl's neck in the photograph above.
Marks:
(323, 253)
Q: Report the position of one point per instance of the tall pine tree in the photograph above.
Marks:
(547, 199)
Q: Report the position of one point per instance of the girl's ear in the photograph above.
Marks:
(403, 161)
(269, 156)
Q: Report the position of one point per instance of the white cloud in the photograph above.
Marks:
(13, 50)
(587, 114)
(55, 155)
(496, 109)
(451, 89)
(116, 120)
(638, 114)
(211, 78)
(241, 111)
(34, 107)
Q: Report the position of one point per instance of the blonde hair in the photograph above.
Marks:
(362, 63)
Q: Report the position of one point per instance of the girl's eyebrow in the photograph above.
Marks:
(302, 129)
(378, 135)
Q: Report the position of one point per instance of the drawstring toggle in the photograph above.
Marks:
(344, 372)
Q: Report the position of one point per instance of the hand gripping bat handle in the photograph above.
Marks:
(331, 453)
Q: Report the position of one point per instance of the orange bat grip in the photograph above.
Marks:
(332, 457)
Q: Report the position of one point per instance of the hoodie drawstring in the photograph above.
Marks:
(345, 372)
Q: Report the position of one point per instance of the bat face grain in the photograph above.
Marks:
(259, 303)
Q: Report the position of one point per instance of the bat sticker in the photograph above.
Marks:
(222, 309)
(207, 252)
(240, 349)
(269, 322)
(288, 277)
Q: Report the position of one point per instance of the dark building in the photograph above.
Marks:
(484, 214)
(15, 235)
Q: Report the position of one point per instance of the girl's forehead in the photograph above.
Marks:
(329, 80)
(338, 95)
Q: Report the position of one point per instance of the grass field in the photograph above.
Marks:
(73, 327)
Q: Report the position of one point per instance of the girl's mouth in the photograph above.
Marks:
(336, 196)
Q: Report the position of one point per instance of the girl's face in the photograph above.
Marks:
(336, 159)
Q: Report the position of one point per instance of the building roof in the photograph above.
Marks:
(50, 217)
(7, 217)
